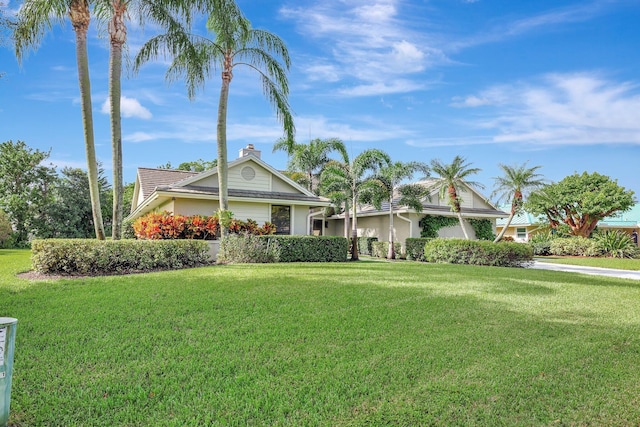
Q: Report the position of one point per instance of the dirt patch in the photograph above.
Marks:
(34, 275)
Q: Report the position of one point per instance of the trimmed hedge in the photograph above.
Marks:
(474, 252)
(104, 257)
(415, 247)
(247, 248)
(381, 249)
(574, 246)
(311, 248)
(365, 245)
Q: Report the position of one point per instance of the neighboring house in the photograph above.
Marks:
(257, 191)
(522, 226)
(375, 223)
(525, 224)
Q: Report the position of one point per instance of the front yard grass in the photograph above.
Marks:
(366, 343)
(618, 263)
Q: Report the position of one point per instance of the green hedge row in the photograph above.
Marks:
(365, 245)
(381, 249)
(474, 252)
(102, 257)
(310, 248)
(415, 247)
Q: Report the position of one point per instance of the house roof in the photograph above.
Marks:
(150, 178)
(369, 210)
(629, 219)
(159, 185)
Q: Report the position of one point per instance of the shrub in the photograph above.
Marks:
(5, 227)
(474, 252)
(248, 248)
(381, 249)
(127, 230)
(616, 244)
(415, 248)
(483, 228)
(541, 248)
(311, 248)
(103, 257)
(574, 246)
(365, 245)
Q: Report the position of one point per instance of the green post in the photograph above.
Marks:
(7, 345)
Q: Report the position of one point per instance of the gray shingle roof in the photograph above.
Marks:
(151, 178)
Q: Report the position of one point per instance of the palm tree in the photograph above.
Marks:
(310, 158)
(345, 180)
(387, 185)
(235, 44)
(34, 19)
(516, 182)
(452, 177)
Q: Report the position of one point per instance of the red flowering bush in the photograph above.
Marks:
(165, 225)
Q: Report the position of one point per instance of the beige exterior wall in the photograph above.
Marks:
(280, 186)
(512, 232)
(195, 207)
(166, 206)
(261, 180)
(455, 232)
(259, 212)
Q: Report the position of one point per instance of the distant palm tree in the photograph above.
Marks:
(388, 184)
(516, 182)
(35, 17)
(452, 177)
(310, 158)
(344, 180)
(235, 44)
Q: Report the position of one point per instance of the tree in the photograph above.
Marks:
(5, 28)
(345, 180)
(34, 18)
(388, 185)
(310, 158)
(517, 182)
(580, 201)
(25, 186)
(235, 44)
(452, 177)
(68, 214)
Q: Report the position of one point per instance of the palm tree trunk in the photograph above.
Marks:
(354, 232)
(80, 18)
(118, 35)
(464, 229)
(223, 191)
(391, 253)
(504, 229)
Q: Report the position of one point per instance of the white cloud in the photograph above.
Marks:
(564, 109)
(129, 107)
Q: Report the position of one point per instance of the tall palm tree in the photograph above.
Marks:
(236, 43)
(345, 180)
(517, 182)
(34, 19)
(451, 178)
(388, 184)
(310, 158)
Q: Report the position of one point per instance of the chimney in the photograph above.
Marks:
(249, 150)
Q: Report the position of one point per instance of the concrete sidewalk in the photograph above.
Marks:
(596, 271)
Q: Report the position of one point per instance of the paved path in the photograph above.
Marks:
(597, 271)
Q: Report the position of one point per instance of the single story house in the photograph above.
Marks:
(372, 222)
(256, 191)
(524, 225)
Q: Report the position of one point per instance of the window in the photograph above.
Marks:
(281, 218)
(521, 233)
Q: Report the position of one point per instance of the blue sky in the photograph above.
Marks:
(553, 83)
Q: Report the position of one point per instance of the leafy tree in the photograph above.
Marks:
(310, 158)
(517, 182)
(580, 201)
(235, 44)
(345, 180)
(387, 185)
(69, 215)
(25, 186)
(5, 228)
(34, 19)
(199, 165)
(451, 178)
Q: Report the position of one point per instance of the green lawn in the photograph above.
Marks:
(619, 263)
(348, 344)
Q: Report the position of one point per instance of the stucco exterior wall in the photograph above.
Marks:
(195, 207)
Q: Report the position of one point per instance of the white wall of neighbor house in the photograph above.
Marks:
(299, 216)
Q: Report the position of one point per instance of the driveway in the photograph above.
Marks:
(597, 271)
